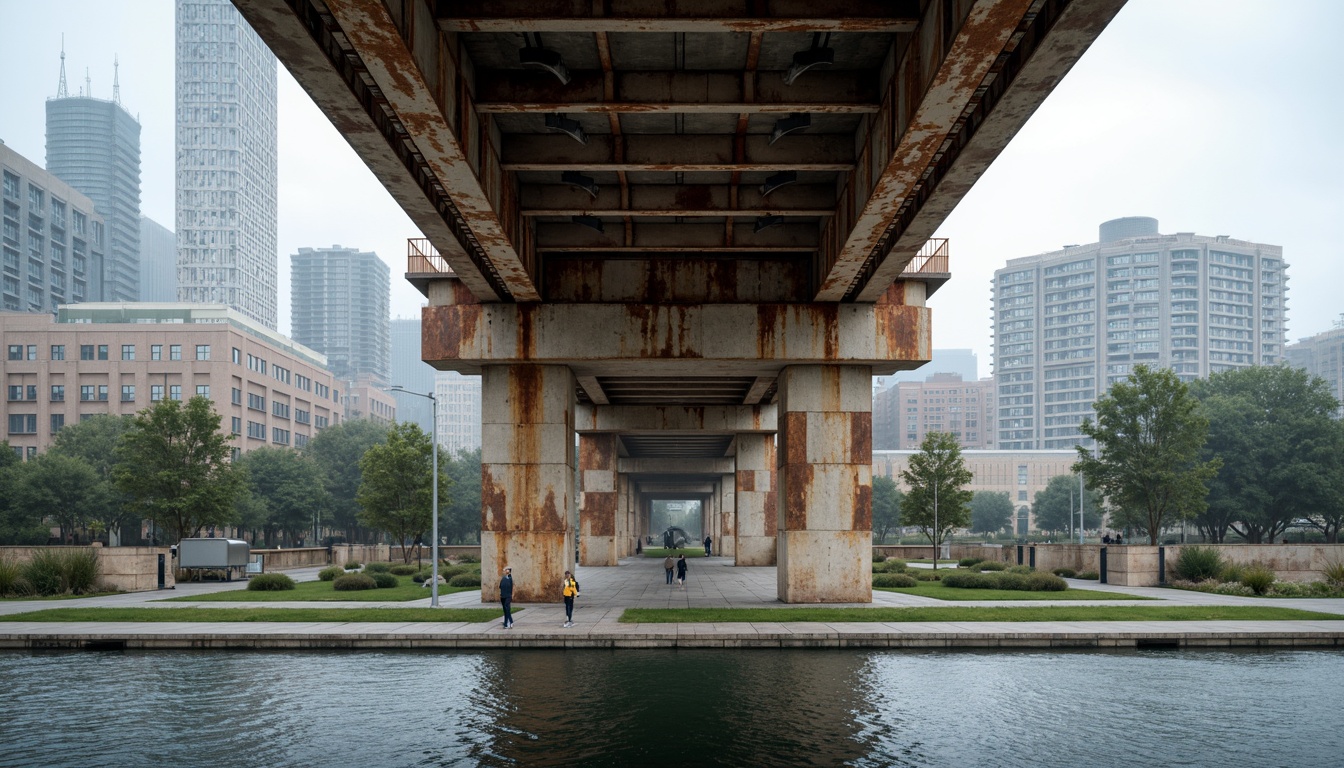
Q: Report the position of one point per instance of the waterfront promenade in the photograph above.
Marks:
(639, 583)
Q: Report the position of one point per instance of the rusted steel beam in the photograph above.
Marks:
(658, 420)
(644, 152)
(1056, 38)
(309, 43)
(690, 467)
(683, 279)
(684, 200)
(454, 149)
(661, 236)
(942, 71)
(682, 16)
(680, 91)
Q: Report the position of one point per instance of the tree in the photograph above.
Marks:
(991, 511)
(396, 490)
(937, 472)
(1273, 427)
(1149, 432)
(1055, 507)
(58, 488)
(94, 440)
(173, 466)
(460, 517)
(289, 487)
(887, 500)
(337, 451)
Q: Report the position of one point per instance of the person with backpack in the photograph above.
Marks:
(668, 565)
(681, 571)
(570, 590)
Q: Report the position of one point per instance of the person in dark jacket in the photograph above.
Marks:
(708, 542)
(506, 596)
(681, 571)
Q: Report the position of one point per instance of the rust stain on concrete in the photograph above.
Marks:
(797, 496)
(746, 480)
(494, 503)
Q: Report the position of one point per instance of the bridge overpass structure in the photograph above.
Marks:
(688, 231)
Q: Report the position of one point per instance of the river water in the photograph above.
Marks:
(673, 708)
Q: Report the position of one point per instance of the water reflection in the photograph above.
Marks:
(660, 707)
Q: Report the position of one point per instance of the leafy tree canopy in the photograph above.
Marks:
(1056, 506)
(991, 511)
(337, 451)
(939, 473)
(396, 492)
(887, 500)
(290, 486)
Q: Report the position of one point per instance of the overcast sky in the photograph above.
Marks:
(1219, 117)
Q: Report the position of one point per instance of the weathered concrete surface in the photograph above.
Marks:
(527, 478)
(629, 420)
(754, 485)
(725, 536)
(598, 501)
(825, 484)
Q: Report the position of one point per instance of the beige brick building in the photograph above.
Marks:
(121, 358)
(906, 411)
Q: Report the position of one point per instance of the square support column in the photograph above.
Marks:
(527, 479)
(598, 502)
(757, 523)
(825, 549)
(725, 533)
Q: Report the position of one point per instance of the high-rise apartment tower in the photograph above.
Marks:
(340, 302)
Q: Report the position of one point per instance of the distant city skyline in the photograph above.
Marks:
(1178, 133)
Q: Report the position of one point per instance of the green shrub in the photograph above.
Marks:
(11, 574)
(989, 565)
(1333, 574)
(1044, 582)
(403, 570)
(967, 562)
(1067, 573)
(453, 570)
(1013, 581)
(1021, 569)
(465, 580)
(879, 568)
(1089, 575)
(330, 572)
(894, 565)
(468, 558)
(878, 557)
(44, 573)
(923, 575)
(80, 569)
(378, 568)
(1257, 577)
(352, 566)
(420, 576)
(270, 582)
(353, 582)
(1198, 563)
(385, 580)
(1230, 572)
(899, 580)
(968, 581)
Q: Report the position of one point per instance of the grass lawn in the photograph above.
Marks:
(689, 552)
(936, 590)
(322, 591)
(56, 597)
(968, 613)
(210, 615)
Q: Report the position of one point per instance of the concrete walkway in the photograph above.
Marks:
(639, 582)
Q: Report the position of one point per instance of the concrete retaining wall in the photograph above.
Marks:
(285, 559)
(128, 569)
(382, 553)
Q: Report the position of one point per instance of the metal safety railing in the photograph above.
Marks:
(423, 258)
(931, 259)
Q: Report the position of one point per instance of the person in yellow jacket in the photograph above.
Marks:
(570, 591)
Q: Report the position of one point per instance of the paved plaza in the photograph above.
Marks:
(639, 583)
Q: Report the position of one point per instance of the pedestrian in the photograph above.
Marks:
(708, 542)
(506, 596)
(1106, 539)
(681, 571)
(570, 590)
(639, 547)
(668, 565)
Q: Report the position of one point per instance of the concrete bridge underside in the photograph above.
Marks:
(686, 231)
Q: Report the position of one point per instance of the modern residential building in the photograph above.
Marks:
(340, 303)
(1020, 474)
(943, 402)
(1069, 323)
(122, 358)
(459, 399)
(94, 146)
(411, 373)
(158, 262)
(52, 239)
(1323, 355)
(226, 162)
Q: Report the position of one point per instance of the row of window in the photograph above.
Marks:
(100, 352)
(98, 392)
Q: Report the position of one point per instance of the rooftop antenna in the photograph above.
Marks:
(88, 84)
(116, 81)
(61, 91)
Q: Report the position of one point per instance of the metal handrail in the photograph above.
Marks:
(422, 257)
(932, 258)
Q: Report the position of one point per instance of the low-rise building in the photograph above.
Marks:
(121, 358)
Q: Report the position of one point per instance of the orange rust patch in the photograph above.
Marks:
(793, 437)
(901, 331)
(863, 506)
(549, 517)
(525, 401)
(746, 480)
(599, 514)
(494, 502)
(797, 496)
(860, 437)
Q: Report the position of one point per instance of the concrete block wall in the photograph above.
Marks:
(127, 569)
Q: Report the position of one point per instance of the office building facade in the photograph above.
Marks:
(906, 411)
(94, 146)
(226, 162)
(1323, 355)
(1070, 323)
(52, 239)
(158, 262)
(102, 358)
(459, 400)
(340, 304)
(412, 373)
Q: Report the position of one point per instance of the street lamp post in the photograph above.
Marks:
(936, 481)
(434, 524)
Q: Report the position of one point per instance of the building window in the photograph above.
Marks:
(203, 390)
(237, 425)
(102, 392)
(1022, 474)
(32, 351)
(175, 392)
(175, 352)
(280, 409)
(87, 392)
(102, 351)
(256, 402)
(15, 392)
(256, 430)
(57, 421)
(57, 351)
(23, 423)
(1021, 495)
(280, 436)
(128, 393)
(236, 396)
(202, 351)
(85, 351)
(127, 351)
(57, 393)
(237, 356)
(155, 351)
(155, 393)
(15, 351)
